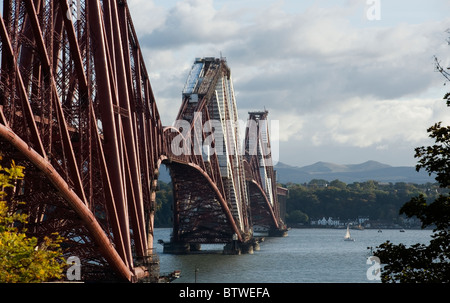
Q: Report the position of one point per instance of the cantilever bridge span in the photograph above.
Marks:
(77, 110)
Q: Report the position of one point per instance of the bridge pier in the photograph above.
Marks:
(176, 248)
(180, 248)
(233, 248)
(238, 248)
(278, 232)
(149, 264)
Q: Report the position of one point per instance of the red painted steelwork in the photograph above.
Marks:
(261, 177)
(76, 203)
(76, 96)
(78, 111)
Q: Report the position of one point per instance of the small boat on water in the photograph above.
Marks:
(347, 235)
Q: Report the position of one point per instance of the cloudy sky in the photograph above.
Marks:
(349, 81)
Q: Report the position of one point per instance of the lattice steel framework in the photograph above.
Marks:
(211, 202)
(230, 191)
(260, 174)
(77, 109)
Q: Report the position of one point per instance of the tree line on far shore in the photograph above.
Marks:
(321, 198)
(374, 200)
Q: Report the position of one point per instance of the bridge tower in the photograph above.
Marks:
(261, 176)
(217, 211)
(221, 191)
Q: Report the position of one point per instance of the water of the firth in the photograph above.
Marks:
(305, 255)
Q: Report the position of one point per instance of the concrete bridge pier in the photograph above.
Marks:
(180, 248)
(176, 248)
(238, 248)
(278, 232)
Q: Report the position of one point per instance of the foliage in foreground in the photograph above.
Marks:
(420, 262)
(425, 263)
(22, 258)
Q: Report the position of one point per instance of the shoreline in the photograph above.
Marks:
(341, 227)
(361, 229)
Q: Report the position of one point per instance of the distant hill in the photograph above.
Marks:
(370, 170)
(349, 173)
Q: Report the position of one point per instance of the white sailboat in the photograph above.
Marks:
(347, 235)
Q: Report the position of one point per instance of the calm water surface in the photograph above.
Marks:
(305, 255)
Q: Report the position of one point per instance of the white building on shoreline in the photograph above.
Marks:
(326, 222)
(337, 222)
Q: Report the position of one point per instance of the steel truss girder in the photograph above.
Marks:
(74, 200)
(76, 104)
(200, 214)
(198, 114)
(262, 212)
(77, 109)
(260, 175)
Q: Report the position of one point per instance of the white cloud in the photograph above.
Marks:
(290, 126)
(147, 16)
(192, 22)
(364, 124)
(380, 124)
(328, 76)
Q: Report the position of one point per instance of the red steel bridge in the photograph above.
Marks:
(77, 110)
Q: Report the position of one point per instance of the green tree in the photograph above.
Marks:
(297, 216)
(164, 199)
(23, 258)
(338, 184)
(420, 262)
